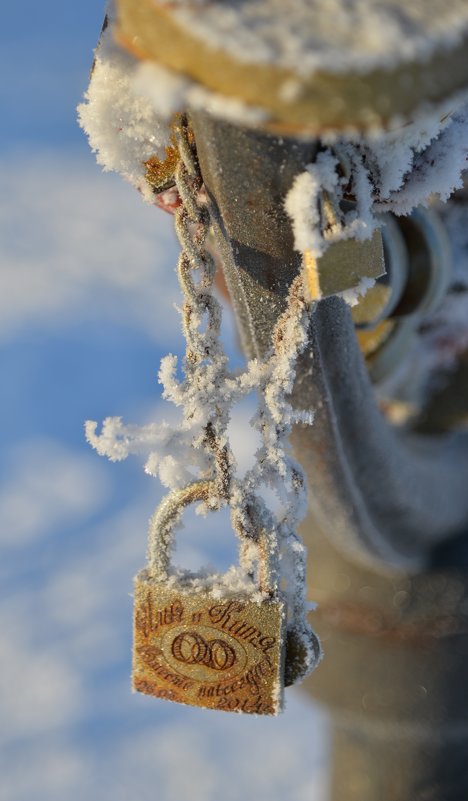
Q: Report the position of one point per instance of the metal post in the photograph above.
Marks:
(394, 676)
(396, 645)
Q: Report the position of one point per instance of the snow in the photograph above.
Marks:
(325, 35)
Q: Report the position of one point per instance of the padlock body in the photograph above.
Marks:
(195, 649)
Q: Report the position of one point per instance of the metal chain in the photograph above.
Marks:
(192, 227)
(250, 518)
(192, 224)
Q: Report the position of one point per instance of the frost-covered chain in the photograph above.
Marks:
(195, 460)
(274, 467)
(203, 353)
(205, 359)
(192, 226)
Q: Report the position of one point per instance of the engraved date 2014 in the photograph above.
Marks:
(255, 706)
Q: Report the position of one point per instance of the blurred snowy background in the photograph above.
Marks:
(87, 288)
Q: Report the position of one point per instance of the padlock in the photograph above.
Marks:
(303, 653)
(198, 648)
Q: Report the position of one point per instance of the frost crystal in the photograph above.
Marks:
(123, 128)
(393, 171)
(322, 179)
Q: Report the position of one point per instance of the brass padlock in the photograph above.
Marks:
(198, 648)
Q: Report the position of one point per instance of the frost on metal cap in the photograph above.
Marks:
(311, 65)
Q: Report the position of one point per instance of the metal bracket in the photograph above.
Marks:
(385, 498)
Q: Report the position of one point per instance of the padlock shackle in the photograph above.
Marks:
(165, 518)
(168, 514)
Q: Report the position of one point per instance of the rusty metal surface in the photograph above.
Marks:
(193, 649)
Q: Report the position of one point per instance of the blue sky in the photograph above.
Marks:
(87, 288)
(46, 52)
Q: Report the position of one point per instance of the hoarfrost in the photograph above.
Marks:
(126, 117)
(302, 202)
(434, 170)
(166, 90)
(351, 296)
(393, 171)
(123, 128)
(315, 228)
(129, 105)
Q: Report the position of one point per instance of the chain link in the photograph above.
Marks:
(192, 226)
(251, 519)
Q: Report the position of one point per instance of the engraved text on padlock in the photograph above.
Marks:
(223, 651)
(198, 650)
